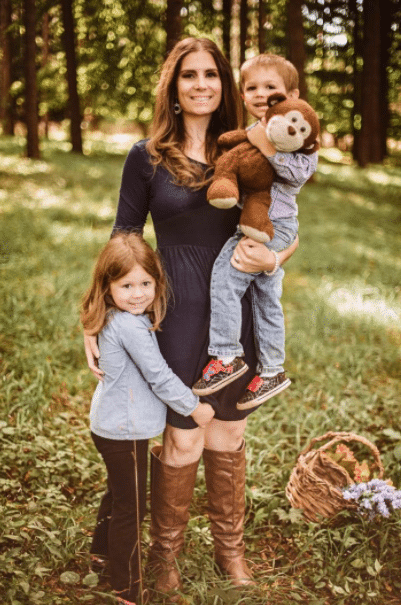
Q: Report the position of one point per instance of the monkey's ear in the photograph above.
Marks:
(275, 98)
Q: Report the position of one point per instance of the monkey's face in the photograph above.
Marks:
(288, 132)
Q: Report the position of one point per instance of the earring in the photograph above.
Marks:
(177, 107)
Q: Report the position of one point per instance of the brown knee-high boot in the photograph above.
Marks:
(172, 488)
(225, 482)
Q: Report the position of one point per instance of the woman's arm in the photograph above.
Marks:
(252, 257)
(133, 202)
(92, 355)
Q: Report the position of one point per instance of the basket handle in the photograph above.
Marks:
(336, 437)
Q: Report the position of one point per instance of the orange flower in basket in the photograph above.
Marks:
(344, 457)
(345, 453)
(362, 472)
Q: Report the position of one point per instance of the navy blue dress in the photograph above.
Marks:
(190, 234)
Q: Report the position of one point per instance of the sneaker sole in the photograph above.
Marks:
(265, 397)
(221, 384)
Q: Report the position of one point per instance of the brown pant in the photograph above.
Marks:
(121, 512)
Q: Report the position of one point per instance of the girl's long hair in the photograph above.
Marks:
(167, 139)
(122, 252)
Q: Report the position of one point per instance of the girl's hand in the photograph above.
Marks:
(92, 355)
(203, 414)
(253, 257)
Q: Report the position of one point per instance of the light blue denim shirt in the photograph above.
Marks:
(131, 401)
(292, 171)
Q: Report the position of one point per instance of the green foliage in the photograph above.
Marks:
(334, 44)
(342, 306)
(120, 47)
(118, 70)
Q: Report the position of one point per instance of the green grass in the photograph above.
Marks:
(343, 306)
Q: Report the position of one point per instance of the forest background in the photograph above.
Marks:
(95, 63)
(76, 90)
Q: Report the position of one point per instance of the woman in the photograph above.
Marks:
(197, 100)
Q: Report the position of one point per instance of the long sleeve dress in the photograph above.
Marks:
(190, 234)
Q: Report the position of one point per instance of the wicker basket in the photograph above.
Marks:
(316, 482)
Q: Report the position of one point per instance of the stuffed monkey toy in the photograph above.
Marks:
(291, 125)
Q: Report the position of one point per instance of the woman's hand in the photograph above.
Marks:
(92, 355)
(253, 257)
(203, 414)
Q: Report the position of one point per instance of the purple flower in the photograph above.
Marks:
(383, 510)
(374, 498)
(366, 503)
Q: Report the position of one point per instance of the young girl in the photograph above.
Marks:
(125, 305)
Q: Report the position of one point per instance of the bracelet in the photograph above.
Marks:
(276, 265)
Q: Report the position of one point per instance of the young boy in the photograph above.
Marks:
(261, 76)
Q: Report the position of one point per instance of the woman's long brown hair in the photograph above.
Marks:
(168, 134)
(121, 253)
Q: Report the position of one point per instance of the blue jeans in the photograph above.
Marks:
(228, 286)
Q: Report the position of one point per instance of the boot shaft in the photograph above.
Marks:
(225, 481)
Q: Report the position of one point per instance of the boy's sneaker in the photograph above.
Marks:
(261, 389)
(216, 375)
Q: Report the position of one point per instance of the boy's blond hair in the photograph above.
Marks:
(284, 68)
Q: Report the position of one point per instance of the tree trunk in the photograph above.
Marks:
(45, 58)
(243, 20)
(296, 44)
(357, 83)
(370, 148)
(6, 117)
(226, 28)
(262, 44)
(31, 103)
(73, 99)
(173, 23)
(387, 16)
